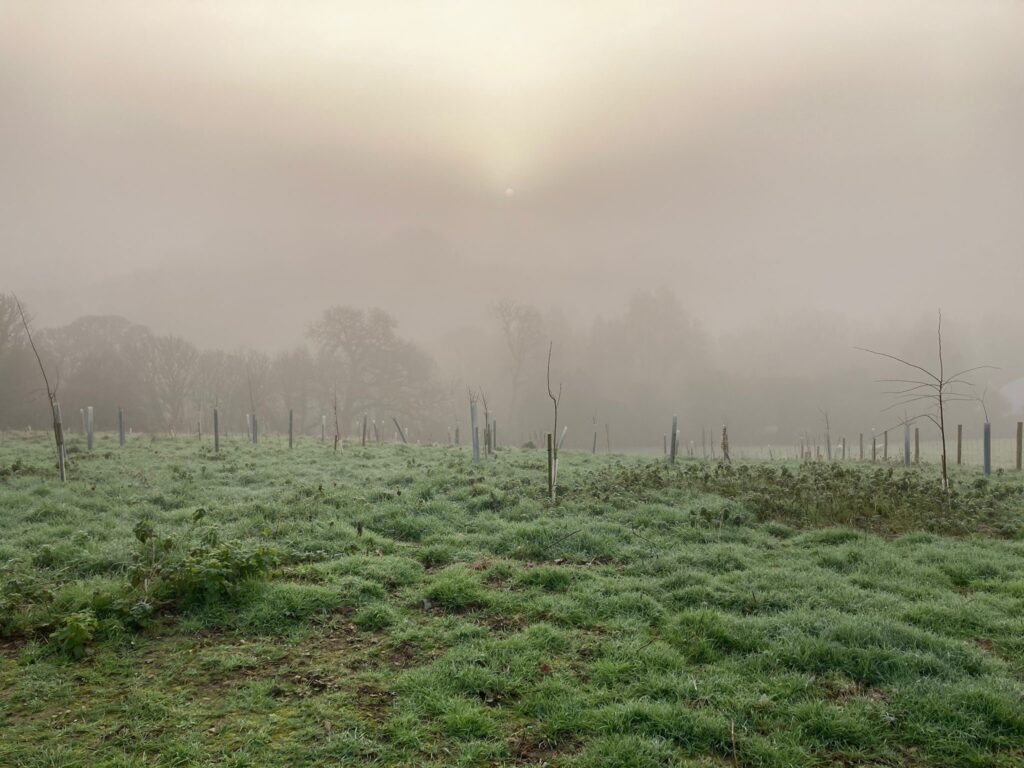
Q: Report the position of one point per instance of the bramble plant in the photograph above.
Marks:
(76, 633)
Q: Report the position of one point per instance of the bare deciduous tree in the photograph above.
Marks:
(522, 329)
(10, 309)
(361, 355)
(936, 389)
(169, 370)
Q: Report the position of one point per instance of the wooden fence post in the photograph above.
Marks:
(862, 446)
(874, 449)
(457, 438)
(89, 423)
(906, 445)
(62, 451)
(844, 449)
(401, 432)
(959, 443)
(120, 426)
(987, 448)
(323, 428)
(1020, 446)
(291, 426)
(917, 445)
(474, 432)
(494, 435)
(255, 430)
(365, 417)
(672, 442)
(216, 431)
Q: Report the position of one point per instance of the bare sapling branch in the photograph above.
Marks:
(51, 394)
(939, 391)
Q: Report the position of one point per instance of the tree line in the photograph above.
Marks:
(354, 364)
(625, 375)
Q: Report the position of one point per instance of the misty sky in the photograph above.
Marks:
(227, 170)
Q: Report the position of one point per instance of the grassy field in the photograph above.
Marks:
(399, 606)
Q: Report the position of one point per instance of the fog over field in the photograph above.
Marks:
(742, 191)
(492, 383)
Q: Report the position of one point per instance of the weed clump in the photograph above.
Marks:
(882, 499)
(374, 617)
(456, 589)
(164, 574)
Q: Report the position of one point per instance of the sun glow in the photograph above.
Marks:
(495, 79)
(500, 93)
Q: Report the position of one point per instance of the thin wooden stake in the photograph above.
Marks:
(1020, 446)
(987, 448)
(551, 465)
(62, 451)
(474, 432)
(672, 443)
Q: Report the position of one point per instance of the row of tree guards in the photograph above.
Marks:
(804, 452)
(937, 390)
(253, 431)
(911, 453)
